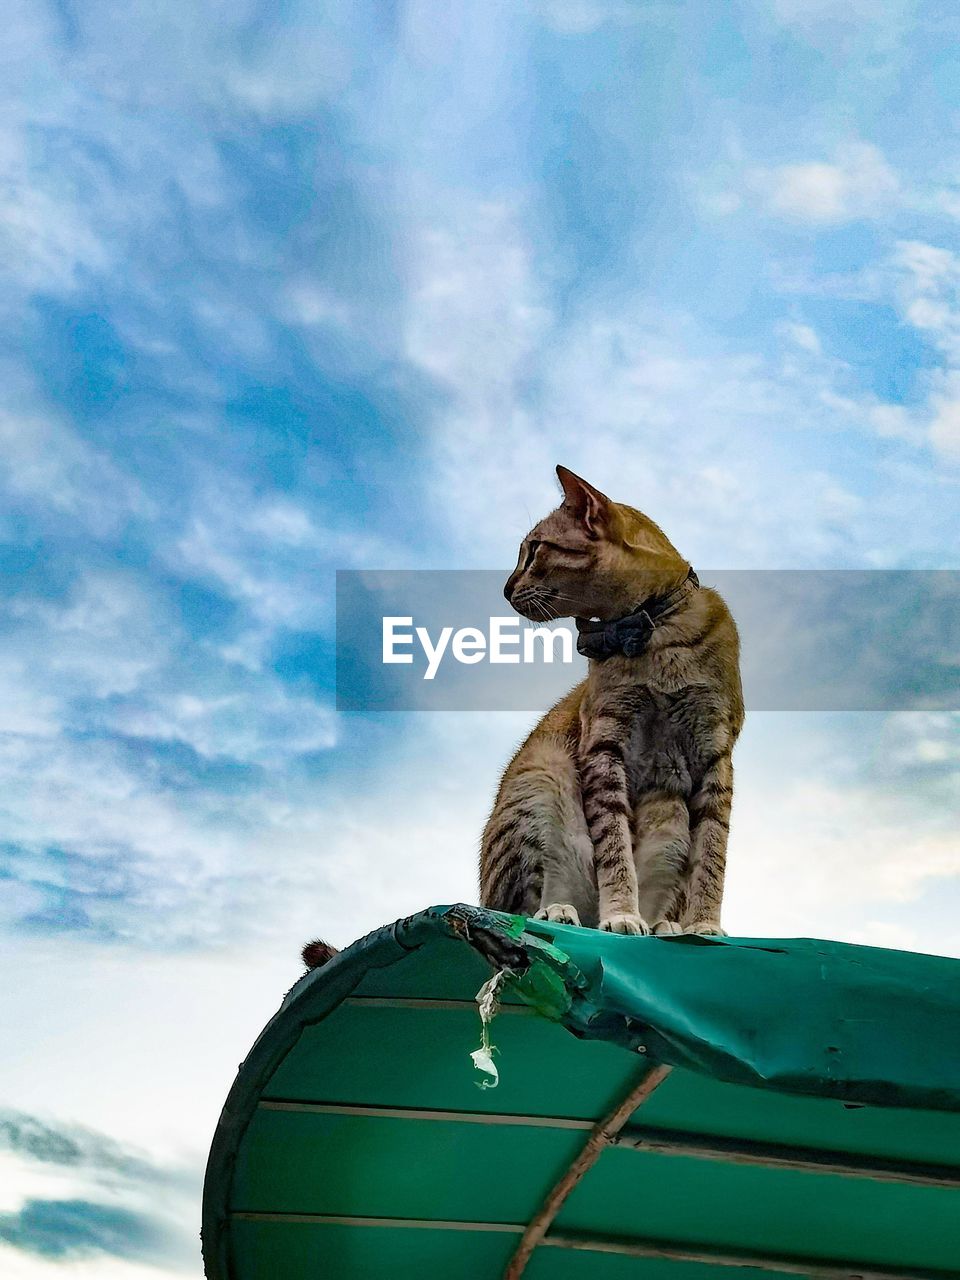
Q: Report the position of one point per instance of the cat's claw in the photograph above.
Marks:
(626, 923)
(667, 928)
(706, 928)
(558, 913)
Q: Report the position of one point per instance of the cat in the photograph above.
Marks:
(615, 811)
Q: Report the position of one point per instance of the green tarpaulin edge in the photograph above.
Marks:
(825, 1019)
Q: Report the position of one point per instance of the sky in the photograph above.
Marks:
(297, 287)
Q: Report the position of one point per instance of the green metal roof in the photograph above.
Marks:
(789, 1107)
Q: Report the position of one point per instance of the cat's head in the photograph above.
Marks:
(591, 558)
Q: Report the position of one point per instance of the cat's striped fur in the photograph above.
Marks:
(616, 809)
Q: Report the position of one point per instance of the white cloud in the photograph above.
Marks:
(114, 647)
(810, 14)
(272, 594)
(921, 281)
(649, 406)
(659, 416)
(579, 17)
(17, 1265)
(44, 243)
(893, 934)
(614, 397)
(927, 290)
(932, 268)
(894, 422)
(858, 36)
(804, 337)
(923, 741)
(945, 425)
(93, 684)
(475, 314)
(26, 710)
(102, 639)
(294, 66)
(822, 844)
(857, 183)
(264, 725)
(308, 302)
(45, 462)
(270, 553)
(283, 522)
(477, 323)
(72, 1194)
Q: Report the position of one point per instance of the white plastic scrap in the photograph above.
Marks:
(488, 1001)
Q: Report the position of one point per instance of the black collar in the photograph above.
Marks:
(630, 635)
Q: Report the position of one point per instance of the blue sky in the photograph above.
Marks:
(296, 287)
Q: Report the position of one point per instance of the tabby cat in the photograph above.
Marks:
(616, 809)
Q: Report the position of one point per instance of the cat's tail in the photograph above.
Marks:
(317, 953)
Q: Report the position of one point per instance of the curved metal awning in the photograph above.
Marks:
(788, 1108)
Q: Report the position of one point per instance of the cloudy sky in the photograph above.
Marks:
(292, 287)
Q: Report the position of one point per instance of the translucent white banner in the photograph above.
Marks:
(817, 640)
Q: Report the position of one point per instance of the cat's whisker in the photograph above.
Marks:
(544, 610)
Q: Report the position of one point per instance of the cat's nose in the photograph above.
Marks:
(508, 589)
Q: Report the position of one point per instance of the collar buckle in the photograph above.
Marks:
(630, 635)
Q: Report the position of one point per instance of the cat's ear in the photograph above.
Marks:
(592, 508)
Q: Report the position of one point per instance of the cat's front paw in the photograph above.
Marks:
(707, 928)
(625, 923)
(667, 928)
(558, 913)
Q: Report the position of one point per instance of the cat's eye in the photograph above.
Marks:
(530, 547)
(567, 551)
(528, 550)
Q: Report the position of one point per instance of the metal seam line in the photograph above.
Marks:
(689, 1144)
(812, 1269)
